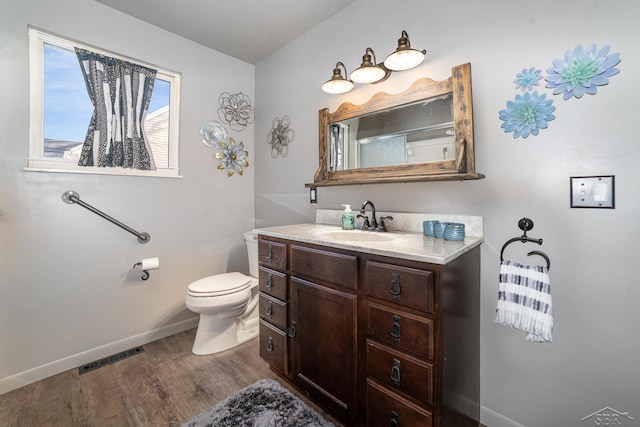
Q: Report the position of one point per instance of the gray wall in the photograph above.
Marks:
(67, 292)
(592, 362)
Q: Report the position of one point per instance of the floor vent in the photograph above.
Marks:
(109, 360)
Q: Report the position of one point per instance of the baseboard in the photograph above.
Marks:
(44, 371)
(491, 418)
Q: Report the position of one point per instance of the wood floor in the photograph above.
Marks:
(164, 386)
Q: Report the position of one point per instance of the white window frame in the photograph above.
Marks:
(37, 161)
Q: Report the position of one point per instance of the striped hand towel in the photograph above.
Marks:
(524, 300)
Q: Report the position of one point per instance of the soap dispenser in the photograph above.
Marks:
(348, 218)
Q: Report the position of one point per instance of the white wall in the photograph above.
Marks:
(67, 292)
(592, 362)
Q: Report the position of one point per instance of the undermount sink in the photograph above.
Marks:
(352, 236)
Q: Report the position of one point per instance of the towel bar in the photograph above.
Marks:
(72, 197)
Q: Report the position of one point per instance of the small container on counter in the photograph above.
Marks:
(427, 228)
(454, 231)
(438, 229)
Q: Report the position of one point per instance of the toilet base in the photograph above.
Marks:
(247, 329)
(215, 334)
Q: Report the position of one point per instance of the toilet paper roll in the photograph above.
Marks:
(149, 264)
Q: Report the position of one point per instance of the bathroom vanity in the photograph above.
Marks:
(380, 329)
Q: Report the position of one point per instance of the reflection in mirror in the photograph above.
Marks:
(415, 133)
(422, 134)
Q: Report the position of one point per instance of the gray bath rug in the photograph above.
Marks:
(263, 404)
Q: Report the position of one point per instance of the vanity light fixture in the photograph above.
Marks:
(338, 84)
(369, 72)
(404, 58)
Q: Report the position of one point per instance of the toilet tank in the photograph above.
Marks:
(251, 238)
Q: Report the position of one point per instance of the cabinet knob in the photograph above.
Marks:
(393, 422)
(395, 329)
(270, 309)
(395, 286)
(268, 257)
(395, 372)
(269, 283)
(270, 344)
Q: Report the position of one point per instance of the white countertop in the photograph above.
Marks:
(401, 244)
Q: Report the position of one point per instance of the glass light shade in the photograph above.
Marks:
(404, 59)
(338, 84)
(368, 74)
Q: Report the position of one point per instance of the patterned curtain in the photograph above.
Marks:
(120, 92)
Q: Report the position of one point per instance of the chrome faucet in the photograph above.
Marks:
(374, 221)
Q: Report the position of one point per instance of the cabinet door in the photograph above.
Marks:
(324, 344)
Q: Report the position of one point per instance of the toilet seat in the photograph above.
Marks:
(219, 284)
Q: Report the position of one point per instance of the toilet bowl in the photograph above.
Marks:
(227, 304)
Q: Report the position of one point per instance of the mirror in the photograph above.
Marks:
(422, 134)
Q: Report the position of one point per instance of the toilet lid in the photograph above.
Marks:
(220, 284)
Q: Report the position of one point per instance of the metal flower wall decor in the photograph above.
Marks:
(213, 133)
(235, 110)
(579, 72)
(280, 136)
(232, 156)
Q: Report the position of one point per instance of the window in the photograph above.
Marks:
(61, 111)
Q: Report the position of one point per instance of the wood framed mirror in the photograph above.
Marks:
(422, 134)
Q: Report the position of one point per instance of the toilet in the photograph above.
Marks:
(227, 304)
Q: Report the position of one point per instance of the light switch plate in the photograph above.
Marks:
(593, 192)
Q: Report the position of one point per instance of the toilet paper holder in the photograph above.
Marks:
(145, 274)
(147, 264)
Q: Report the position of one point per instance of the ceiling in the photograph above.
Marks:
(249, 30)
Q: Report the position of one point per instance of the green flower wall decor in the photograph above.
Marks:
(579, 72)
(582, 71)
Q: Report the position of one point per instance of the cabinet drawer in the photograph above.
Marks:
(401, 330)
(337, 269)
(273, 346)
(401, 371)
(385, 408)
(273, 311)
(409, 287)
(273, 283)
(272, 254)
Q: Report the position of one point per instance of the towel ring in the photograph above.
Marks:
(525, 224)
(543, 255)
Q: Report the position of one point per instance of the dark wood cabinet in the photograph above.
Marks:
(324, 347)
(376, 341)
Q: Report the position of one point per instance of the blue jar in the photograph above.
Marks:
(438, 229)
(454, 231)
(427, 227)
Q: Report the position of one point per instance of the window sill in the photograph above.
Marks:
(164, 173)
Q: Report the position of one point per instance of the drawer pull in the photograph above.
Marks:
(268, 257)
(292, 330)
(395, 372)
(395, 286)
(269, 281)
(395, 329)
(270, 309)
(394, 420)
(270, 344)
